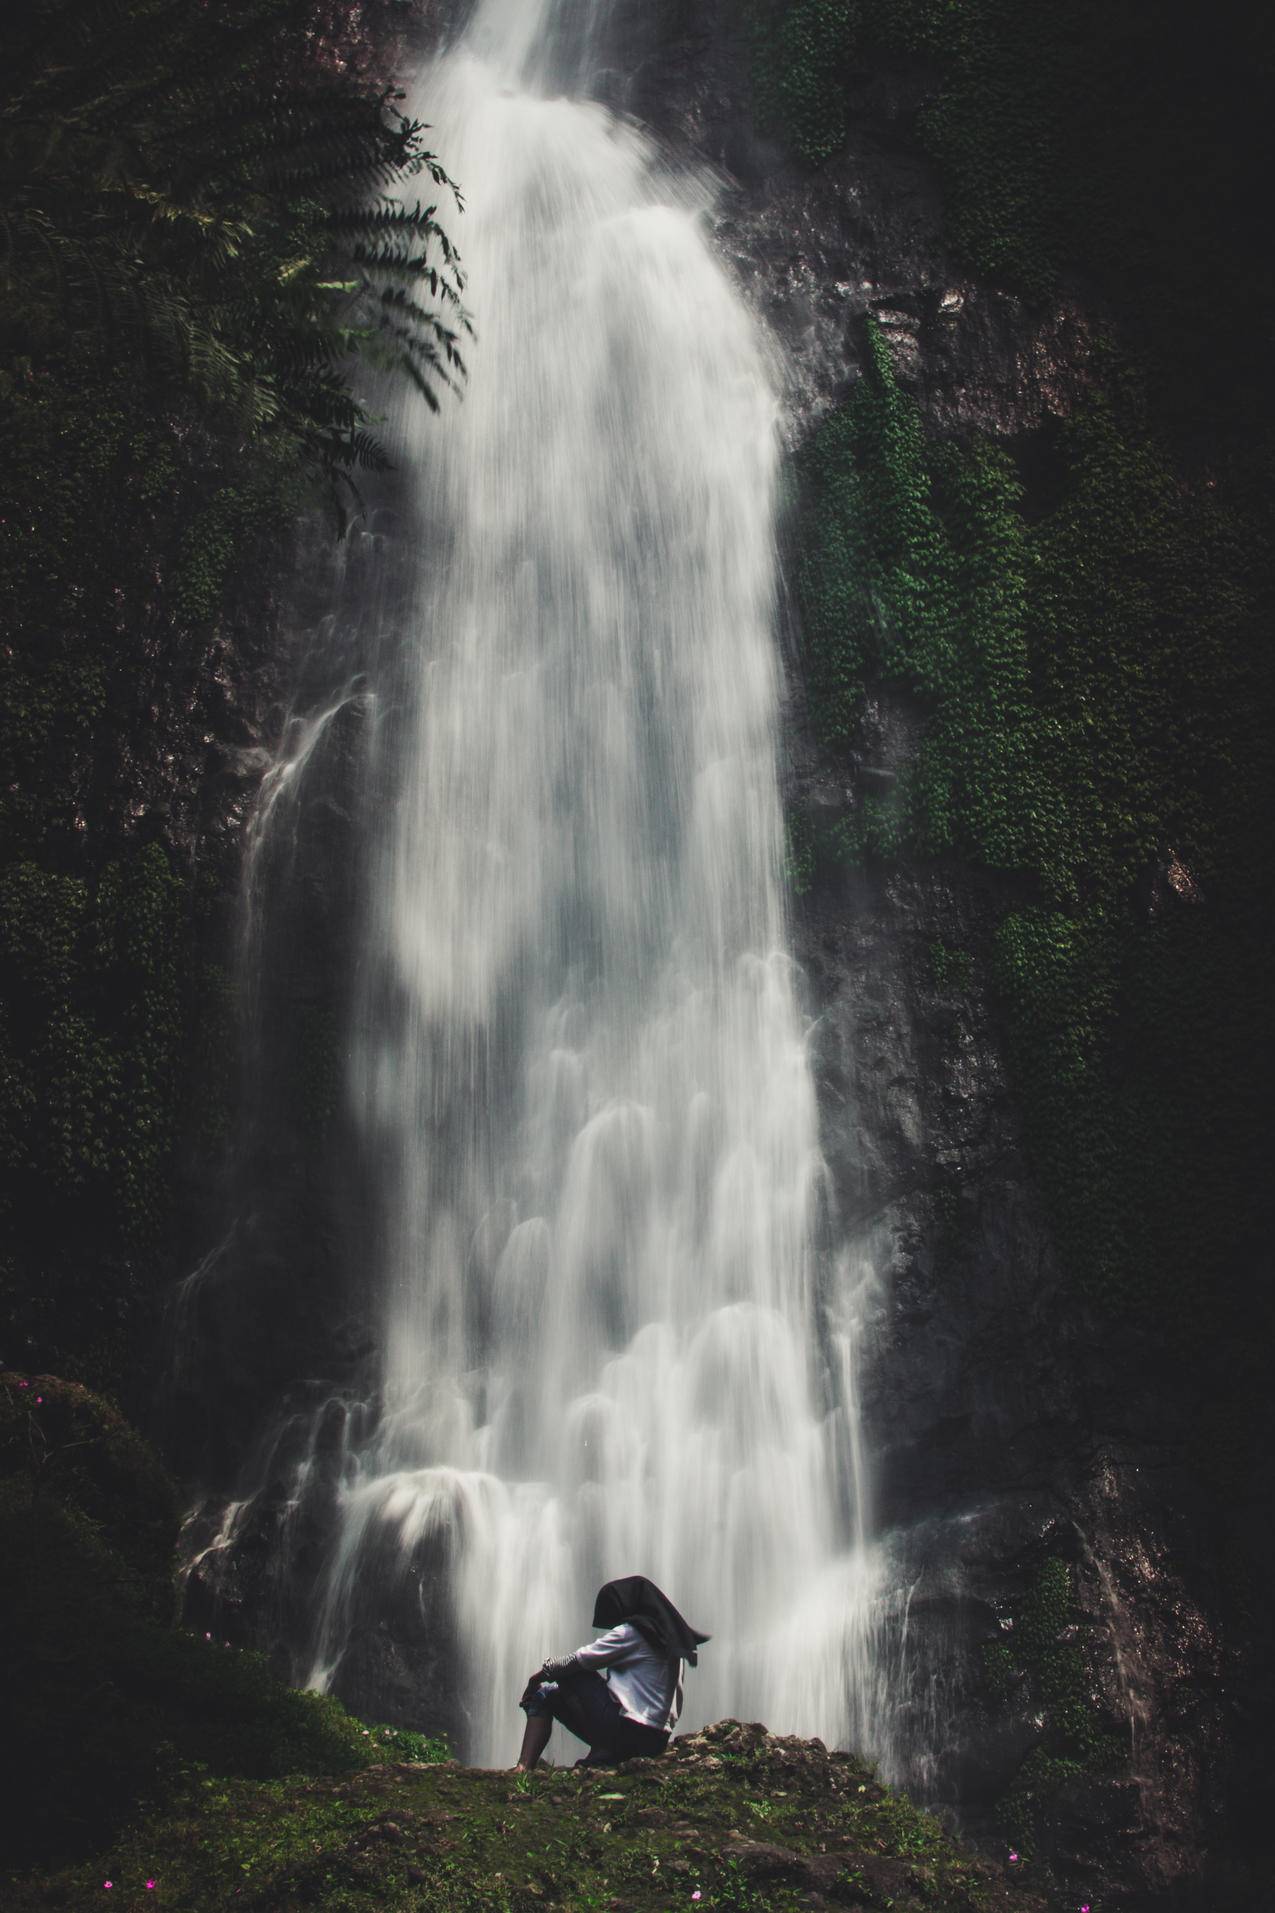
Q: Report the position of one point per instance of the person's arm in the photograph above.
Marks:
(608, 1648)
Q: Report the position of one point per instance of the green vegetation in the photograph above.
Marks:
(1095, 705)
(196, 194)
(729, 1819)
(950, 968)
(900, 585)
(199, 246)
(801, 53)
(108, 1699)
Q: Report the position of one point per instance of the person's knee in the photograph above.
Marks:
(539, 1704)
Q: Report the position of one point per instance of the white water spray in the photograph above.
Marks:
(579, 1057)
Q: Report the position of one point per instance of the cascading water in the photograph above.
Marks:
(608, 1344)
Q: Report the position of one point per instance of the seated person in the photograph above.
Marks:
(622, 1693)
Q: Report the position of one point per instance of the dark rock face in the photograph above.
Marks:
(1004, 1432)
(1007, 1427)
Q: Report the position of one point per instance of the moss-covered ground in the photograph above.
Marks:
(187, 1774)
(730, 1818)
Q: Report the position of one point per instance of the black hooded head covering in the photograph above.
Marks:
(638, 1600)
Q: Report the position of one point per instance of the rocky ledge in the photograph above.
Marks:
(733, 1817)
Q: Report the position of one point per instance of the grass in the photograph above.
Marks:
(734, 1816)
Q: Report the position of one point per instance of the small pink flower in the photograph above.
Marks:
(1013, 1859)
(150, 1886)
(38, 1400)
(207, 1637)
(696, 1894)
(27, 1385)
(108, 1884)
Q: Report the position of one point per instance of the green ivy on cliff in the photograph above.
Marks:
(1093, 703)
(800, 51)
(914, 571)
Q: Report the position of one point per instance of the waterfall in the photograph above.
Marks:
(579, 1066)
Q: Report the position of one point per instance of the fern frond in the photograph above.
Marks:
(182, 188)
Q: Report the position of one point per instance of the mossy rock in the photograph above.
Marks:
(107, 1699)
(75, 1449)
(732, 1817)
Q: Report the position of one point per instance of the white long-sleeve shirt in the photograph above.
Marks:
(647, 1686)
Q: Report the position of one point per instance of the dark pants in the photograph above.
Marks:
(586, 1707)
